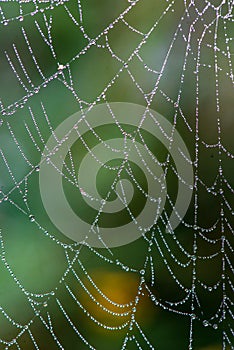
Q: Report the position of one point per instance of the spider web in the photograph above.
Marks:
(58, 57)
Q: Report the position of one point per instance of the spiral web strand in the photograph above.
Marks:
(189, 78)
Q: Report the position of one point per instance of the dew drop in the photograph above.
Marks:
(61, 66)
(32, 218)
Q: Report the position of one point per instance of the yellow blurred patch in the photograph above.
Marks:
(214, 347)
(115, 298)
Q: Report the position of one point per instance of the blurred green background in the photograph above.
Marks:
(39, 262)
